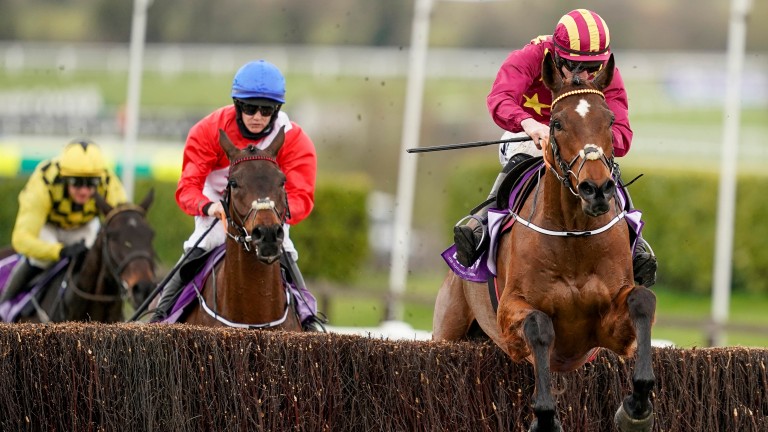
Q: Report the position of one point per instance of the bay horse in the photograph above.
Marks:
(119, 266)
(246, 288)
(564, 276)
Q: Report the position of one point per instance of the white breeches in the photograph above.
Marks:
(507, 150)
(53, 234)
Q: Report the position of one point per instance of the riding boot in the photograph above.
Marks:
(168, 298)
(471, 241)
(173, 287)
(20, 277)
(644, 264)
(306, 307)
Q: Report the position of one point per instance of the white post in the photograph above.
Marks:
(135, 68)
(721, 290)
(406, 180)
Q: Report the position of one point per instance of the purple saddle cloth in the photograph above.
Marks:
(10, 310)
(485, 267)
(189, 292)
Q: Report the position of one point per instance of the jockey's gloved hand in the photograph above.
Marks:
(73, 250)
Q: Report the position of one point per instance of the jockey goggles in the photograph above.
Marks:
(79, 182)
(578, 66)
(248, 109)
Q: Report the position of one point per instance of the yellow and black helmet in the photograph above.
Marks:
(81, 158)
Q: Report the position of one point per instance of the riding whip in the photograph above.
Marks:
(466, 145)
(140, 310)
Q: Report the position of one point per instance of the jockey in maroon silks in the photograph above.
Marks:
(519, 103)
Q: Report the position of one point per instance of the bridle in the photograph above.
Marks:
(244, 238)
(115, 268)
(241, 235)
(588, 153)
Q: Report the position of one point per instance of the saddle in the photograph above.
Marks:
(196, 272)
(516, 186)
(514, 178)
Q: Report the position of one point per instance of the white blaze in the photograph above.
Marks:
(582, 108)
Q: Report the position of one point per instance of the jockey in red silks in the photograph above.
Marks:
(254, 118)
(519, 103)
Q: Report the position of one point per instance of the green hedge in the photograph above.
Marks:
(332, 241)
(679, 209)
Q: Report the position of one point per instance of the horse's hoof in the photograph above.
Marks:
(556, 426)
(625, 423)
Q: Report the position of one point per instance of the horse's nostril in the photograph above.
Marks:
(263, 235)
(587, 189)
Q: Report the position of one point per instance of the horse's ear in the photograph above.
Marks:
(227, 145)
(148, 199)
(605, 76)
(550, 75)
(102, 204)
(277, 143)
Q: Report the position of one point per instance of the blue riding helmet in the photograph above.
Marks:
(259, 79)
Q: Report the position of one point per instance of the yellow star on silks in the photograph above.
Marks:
(533, 102)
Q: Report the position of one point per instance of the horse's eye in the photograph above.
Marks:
(556, 124)
(613, 119)
(232, 183)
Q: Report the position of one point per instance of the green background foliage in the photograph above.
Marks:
(332, 242)
(679, 210)
(373, 23)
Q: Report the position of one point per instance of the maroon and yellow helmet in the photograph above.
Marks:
(582, 35)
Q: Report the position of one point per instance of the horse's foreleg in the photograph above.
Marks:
(540, 335)
(636, 412)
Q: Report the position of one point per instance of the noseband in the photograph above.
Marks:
(244, 238)
(241, 235)
(588, 153)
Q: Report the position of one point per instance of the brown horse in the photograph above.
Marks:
(564, 275)
(119, 266)
(246, 288)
